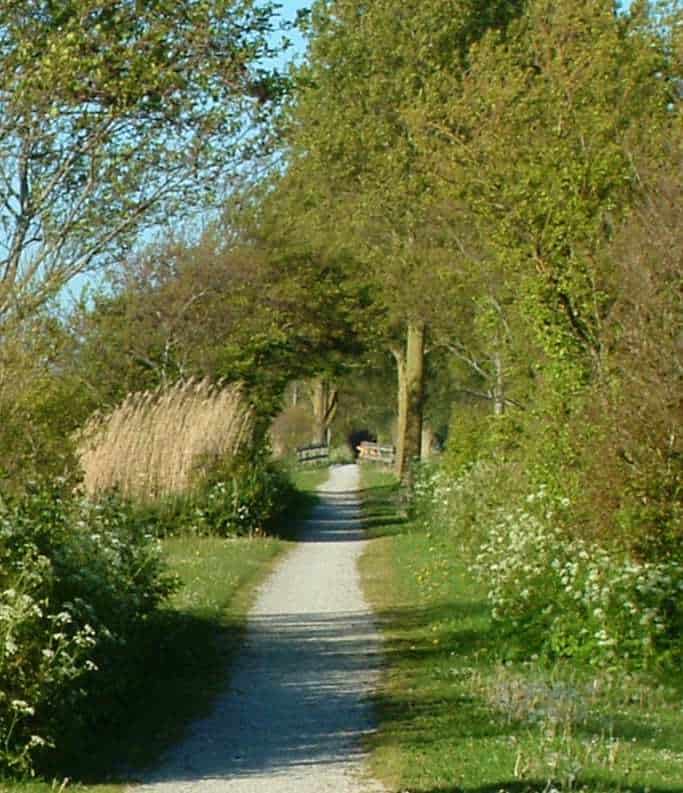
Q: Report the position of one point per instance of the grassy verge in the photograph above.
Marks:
(194, 641)
(183, 658)
(382, 511)
(457, 715)
(308, 479)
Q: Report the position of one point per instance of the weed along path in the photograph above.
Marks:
(297, 709)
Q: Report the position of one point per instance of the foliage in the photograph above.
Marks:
(546, 211)
(41, 404)
(249, 495)
(557, 594)
(238, 303)
(460, 710)
(115, 118)
(291, 428)
(634, 455)
(78, 580)
(197, 632)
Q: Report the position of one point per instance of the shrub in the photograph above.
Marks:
(247, 495)
(556, 594)
(291, 428)
(41, 405)
(568, 597)
(77, 579)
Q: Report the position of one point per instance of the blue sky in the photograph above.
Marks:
(290, 8)
(288, 13)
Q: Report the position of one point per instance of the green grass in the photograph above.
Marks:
(308, 478)
(456, 716)
(183, 656)
(383, 511)
(374, 476)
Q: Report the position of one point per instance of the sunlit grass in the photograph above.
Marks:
(457, 715)
(374, 475)
(309, 478)
(183, 655)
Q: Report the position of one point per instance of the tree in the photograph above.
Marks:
(113, 117)
(324, 400)
(238, 304)
(560, 128)
(352, 147)
(42, 402)
(538, 147)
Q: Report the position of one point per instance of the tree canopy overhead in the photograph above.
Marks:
(114, 116)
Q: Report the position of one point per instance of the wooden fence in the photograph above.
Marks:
(313, 454)
(374, 453)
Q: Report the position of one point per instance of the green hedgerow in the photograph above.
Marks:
(77, 578)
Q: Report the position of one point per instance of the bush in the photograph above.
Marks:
(571, 598)
(554, 593)
(40, 403)
(245, 496)
(77, 580)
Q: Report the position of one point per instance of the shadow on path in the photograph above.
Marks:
(298, 706)
(307, 709)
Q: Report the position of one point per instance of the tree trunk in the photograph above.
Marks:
(410, 434)
(402, 402)
(324, 398)
(427, 441)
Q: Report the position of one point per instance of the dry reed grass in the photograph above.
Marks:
(157, 443)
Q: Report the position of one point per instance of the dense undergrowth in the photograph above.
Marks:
(85, 613)
(80, 580)
(500, 676)
(175, 667)
(245, 496)
(553, 593)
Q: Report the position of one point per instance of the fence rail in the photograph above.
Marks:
(313, 453)
(374, 453)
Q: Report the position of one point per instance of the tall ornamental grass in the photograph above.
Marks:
(158, 443)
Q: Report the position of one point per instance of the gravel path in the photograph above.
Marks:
(296, 712)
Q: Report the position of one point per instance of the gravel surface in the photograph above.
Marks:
(297, 709)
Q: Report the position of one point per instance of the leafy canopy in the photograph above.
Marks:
(113, 117)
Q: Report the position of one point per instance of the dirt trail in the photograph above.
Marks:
(296, 711)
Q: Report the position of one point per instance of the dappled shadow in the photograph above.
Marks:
(302, 695)
(299, 693)
(298, 698)
(420, 715)
(337, 517)
(168, 675)
(384, 512)
(353, 515)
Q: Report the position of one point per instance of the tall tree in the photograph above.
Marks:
(538, 147)
(324, 397)
(352, 147)
(114, 116)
